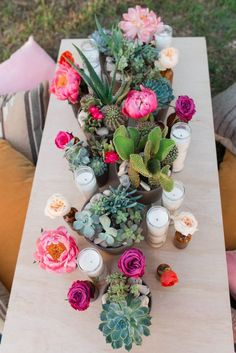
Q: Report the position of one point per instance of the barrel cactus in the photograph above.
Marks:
(163, 90)
(144, 127)
(124, 323)
(112, 117)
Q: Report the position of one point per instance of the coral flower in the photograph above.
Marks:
(140, 23)
(168, 278)
(111, 157)
(65, 84)
(57, 251)
(66, 55)
(139, 104)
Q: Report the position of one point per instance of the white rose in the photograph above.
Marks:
(57, 206)
(168, 59)
(185, 223)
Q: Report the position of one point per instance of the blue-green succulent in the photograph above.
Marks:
(86, 223)
(109, 234)
(163, 90)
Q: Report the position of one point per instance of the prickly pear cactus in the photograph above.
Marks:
(171, 157)
(134, 177)
(113, 117)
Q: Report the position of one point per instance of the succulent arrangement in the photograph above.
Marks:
(126, 304)
(145, 156)
(163, 90)
(112, 218)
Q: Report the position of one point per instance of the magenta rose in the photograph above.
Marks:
(139, 104)
(79, 295)
(62, 139)
(132, 263)
(56, 251)
(185, 108)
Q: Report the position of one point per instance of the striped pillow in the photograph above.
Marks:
(22, 118)
(224, 111)
(4, 298)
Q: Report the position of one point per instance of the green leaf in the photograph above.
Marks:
(124, 147)
(108, 339)
(122, 92)
(166, 182)
(147, 151)
(155, 137)
(165, 147)
(134, 134)
(121, 131)
(146, 331)
(138, 165)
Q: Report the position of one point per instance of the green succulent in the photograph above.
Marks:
(98, 166)
(77, 155)
(86, 223)
(97, 207)
(96, 147)
(89, 100)
(135, 216)
(145, 155)
(163, 90)
(124, 323)
(118, 288)
(171, 157)
(121, 216)
(112, 117)
(131, 232)
(91, 125)
(110, 234)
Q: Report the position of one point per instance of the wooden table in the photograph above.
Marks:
(193, 317)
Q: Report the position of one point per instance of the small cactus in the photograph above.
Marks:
(98, 166)
(89, 100)
(134, 177)
(113, 117)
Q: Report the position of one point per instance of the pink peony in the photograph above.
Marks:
(140, 23)
(185, 108)
(79, 295)
(56, 251)
(111, 157)
(132, 263)
(139, 104)
(65, 84)
(62, 139)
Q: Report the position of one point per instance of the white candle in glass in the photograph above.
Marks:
(173, 200)
(181, 134)
(91, 263)
(158, 220)
(91, 52)
(164, 38)
(85, 181)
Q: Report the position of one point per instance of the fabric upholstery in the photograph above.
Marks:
(22, 118)
(15, 185)
(26, 68)
(227, 174)
(231, 265)
(4, 298)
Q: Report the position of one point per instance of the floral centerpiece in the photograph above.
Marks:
(147, 156)
(112, 219)
(125, 317)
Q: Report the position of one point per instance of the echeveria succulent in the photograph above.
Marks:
(86, 223)
(109, 235)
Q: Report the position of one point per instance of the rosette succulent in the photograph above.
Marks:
(98, 166)
(163, 90)
(86, 223)
(109, 234)
(124, 323)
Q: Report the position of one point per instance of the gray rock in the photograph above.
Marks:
(95, 197)
(144, 300)
(143, 289)
(104, 244)
(104, 298)
(132, 280)
(107, 192)
(102, 131)
(145, 186)
(123, 169)
(124, 180)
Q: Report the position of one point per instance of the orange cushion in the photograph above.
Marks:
(16, 176)
(228, 198)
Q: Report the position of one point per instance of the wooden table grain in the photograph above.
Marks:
(193, 317)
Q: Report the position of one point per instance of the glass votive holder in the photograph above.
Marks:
(163, 39)
(158, 220)
(173, 200)
(85, 181)
(181, 134)
(91, 263)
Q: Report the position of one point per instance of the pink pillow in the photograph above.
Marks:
(231, 263)
(26, 68)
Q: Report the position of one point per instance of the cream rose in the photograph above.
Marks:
(57, 206)
(168, 59)
(185, 223)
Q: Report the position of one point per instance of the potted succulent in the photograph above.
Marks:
(125, 317)
(145, 155)
(111, 220)
(79, 154)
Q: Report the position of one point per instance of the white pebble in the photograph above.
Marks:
(102, 131)
(145, 186)
(143, 289)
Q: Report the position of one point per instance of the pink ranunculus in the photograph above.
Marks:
(65, 84)
(79, 295)
(185, 108)
(62, 139)
(141, 23)
(111, 157)
(139, 104)
(56, 251)
(132, 263)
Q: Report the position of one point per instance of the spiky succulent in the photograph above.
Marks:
(118, 288)
(124, 323)
(98, 166)
(171, 157)
(112, 117)
(163, 90)
(89, 100)
(77, 155)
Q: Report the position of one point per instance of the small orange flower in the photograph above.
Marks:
(169, 278)
(66, 54)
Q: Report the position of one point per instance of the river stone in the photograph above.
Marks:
(96, 197)
(123, 169)
(102, 131)
(143, 289)
(104, 244)
(82, 116)
(107, 192)
(144, 300)
(132, 280)
(104, 298)
(124, 180)
(145, 186)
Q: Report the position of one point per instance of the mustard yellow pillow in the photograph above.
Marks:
(228, 198)
(16, 176)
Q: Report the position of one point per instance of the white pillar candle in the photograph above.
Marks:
(164, 38)
(158, 220)
(181, 134)
(173, 200)
(85, 181)
(91, 263)
(91, 52)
